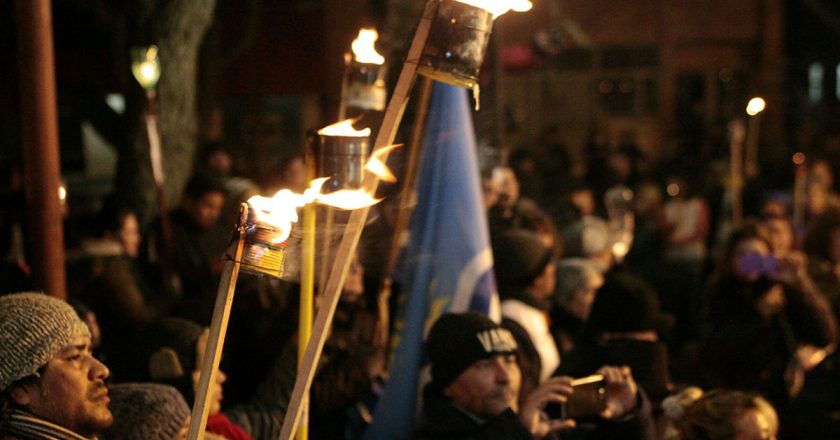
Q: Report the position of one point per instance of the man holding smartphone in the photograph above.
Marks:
(475, 385)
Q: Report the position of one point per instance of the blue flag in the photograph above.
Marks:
(447, 263)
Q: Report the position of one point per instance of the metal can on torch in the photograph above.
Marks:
(340, 154)
(457, 41)
(267, 248)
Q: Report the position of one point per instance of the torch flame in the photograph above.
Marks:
(145, 66)
(280, 210)
(348, 199)
(344, 128)
(376, 164)
(499, 7)
(363, 47)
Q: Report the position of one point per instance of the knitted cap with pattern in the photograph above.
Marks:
(146, 411)
(33, 328)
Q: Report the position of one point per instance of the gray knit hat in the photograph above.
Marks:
(146, 411)
(33, 328)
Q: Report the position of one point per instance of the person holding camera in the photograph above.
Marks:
(761, 310)
(474, 392)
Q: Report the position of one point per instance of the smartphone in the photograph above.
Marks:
(758, 264)
(588, 399)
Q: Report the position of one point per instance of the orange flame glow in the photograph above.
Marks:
(280, 210)
(376, 164)
(499, 7)
(364, 49)
(344, 128)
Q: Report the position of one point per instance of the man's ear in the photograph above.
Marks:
(20, 394)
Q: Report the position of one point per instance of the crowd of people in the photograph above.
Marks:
(632, 307)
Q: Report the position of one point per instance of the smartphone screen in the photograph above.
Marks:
(758, 264)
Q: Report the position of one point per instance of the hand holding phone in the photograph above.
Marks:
(534, 410)
(622, 391)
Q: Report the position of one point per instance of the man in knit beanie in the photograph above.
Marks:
(474, 391)
(147, 411)
(51, 387)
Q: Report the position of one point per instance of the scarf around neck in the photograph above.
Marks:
(26, 426)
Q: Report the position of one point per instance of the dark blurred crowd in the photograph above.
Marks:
(612, 267)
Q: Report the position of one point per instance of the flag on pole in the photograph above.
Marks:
(447, 263)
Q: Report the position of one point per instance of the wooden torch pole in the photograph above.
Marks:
(406, 201)
(347, 247)
(736, 169)
(156, 158)
(218, 329)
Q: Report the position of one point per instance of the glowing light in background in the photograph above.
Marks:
(364, 47)
(499, 7)
(755, 106)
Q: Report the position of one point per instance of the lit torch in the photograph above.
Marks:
(363, 87)
(458, 39)
(448, 45)
(263, 246)
(754, 108)
(145, 66)
(340, 151)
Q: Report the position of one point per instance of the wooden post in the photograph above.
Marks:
(347, 247)
(218, 329)
(156, 158)
(736, 169)
(753, 132)
(39, 118)
(799, 192)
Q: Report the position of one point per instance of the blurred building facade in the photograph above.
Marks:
(669, 74)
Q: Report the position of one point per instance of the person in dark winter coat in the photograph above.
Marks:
(51, 386)
(761, 310)
(624, 328)
(103, 275)
(474, 392)
(822, 244)
(195, 258)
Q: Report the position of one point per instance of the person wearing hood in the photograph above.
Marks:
(526, 279)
